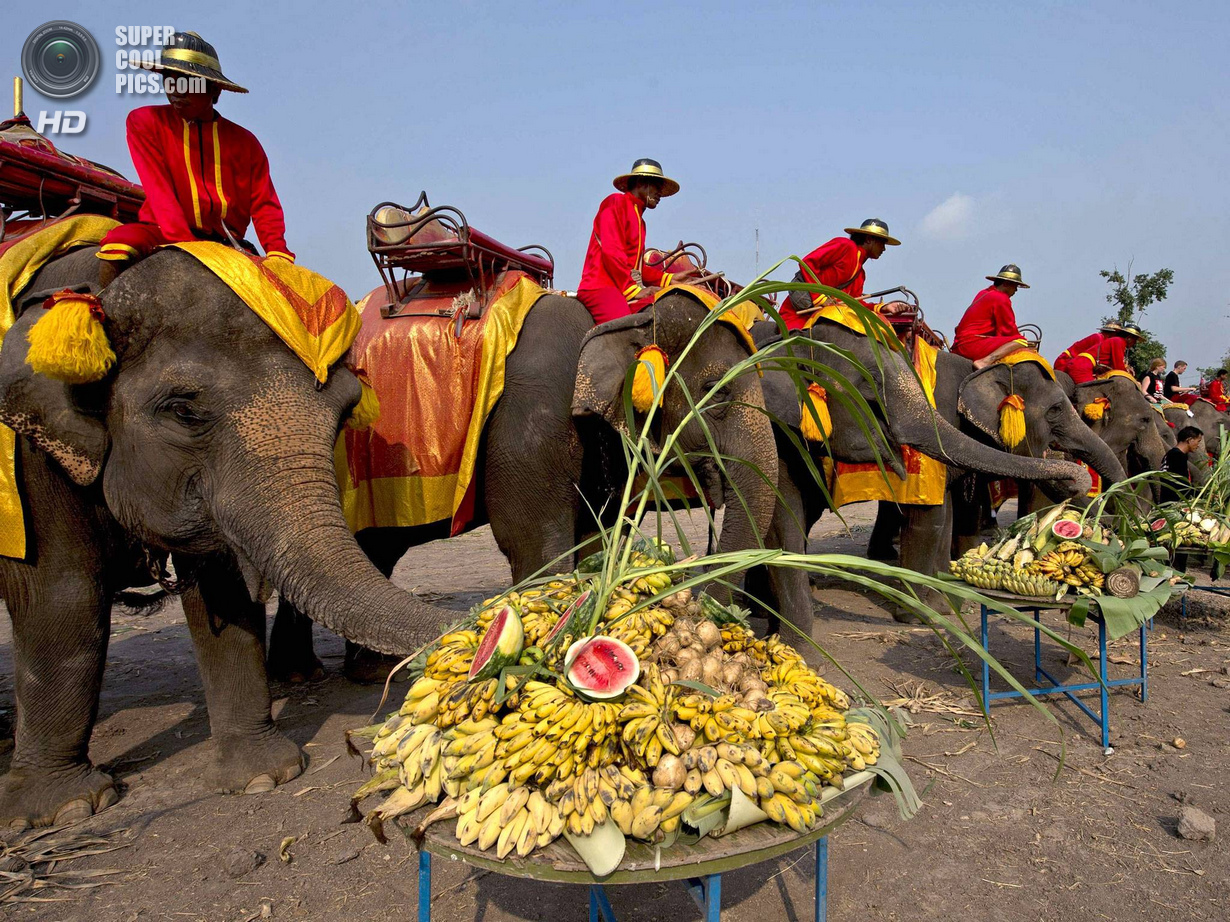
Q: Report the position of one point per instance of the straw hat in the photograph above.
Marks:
(1010, 273)
(188, 53)
(874, 227)
(646, 169)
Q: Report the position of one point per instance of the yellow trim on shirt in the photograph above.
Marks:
(218, 170)
(196, 201)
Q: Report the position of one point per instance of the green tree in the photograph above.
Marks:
(1131, 295)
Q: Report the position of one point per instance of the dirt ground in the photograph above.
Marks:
(1000, 837)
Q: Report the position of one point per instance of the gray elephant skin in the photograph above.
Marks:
(551, 451)
(209, 439)
(962, 431)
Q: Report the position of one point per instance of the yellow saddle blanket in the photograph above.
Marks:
(1027, 355)
(926, 479)
(415, 465)
(20, 261)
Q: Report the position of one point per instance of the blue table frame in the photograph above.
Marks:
(1102, 717)
(706, 891)
(1216, 590)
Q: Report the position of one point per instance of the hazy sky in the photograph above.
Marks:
(1064, 137)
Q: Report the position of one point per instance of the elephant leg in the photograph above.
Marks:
(60, 632)
(292, 656)
(887, 527)
(926, 542)
(228, 633)
(967, 517)
(384, 547)
(534, 516)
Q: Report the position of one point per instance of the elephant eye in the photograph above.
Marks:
(184, 411)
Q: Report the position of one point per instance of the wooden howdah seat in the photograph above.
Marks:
(430, 256)
(38, 182)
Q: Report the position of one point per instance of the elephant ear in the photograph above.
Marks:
(50, 412)
(607, 353)
(980, 397)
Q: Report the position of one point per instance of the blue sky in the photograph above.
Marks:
(1064, 137)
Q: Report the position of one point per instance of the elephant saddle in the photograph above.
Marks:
(437, 377)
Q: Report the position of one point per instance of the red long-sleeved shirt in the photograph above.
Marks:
(838, 264)
(989, 314)
(199, 175)
(1101, 348)
(617, 247)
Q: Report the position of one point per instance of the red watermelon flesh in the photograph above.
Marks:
(569, 615)
(501, 644)
(1158, 525)
(1066, 530)
(601, 667)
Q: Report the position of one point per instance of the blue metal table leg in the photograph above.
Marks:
(1144, 664)
(600, 909)
(822, 879)
(1103, 691)
(986, 667)
(713, 898)
(424, 886)
(1037, 645)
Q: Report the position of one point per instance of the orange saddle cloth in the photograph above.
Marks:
(438, 372)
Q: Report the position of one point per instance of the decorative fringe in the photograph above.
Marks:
(648, 378)
(68, 343)
(1096, 410)
(1012, 421)
(817, 423)
(367, 410)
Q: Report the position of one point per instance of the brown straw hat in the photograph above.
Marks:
(188, 53)
(1010, 273)
(874, 227)
(646, 169)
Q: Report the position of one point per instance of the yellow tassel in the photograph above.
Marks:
(68, 343)
(1097, 409)
(817, 427)
(648, 377)
(367, 410)
(1012, 421)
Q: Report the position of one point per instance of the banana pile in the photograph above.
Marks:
(523, 758)
(1069, 563)
(1047, 576)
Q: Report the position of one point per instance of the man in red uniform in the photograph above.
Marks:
(616, 281)
(840, 264)
(988, 331)
(205, 178)
(1106, 349)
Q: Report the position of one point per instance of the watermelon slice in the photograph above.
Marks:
(1067, 530)
(601, 667)
(574, 621)
(501, 645)
(1157, 524)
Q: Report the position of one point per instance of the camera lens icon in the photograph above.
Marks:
(60, 59)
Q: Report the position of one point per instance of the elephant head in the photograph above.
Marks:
(210, 438)
(1051, 422)
(742, 433)
(1119, 414)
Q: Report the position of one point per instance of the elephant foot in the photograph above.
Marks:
(246, 766)
(40, 798)
(878, 551)
(903, 615)
(367, 667)
(311, 670)
(292, 658)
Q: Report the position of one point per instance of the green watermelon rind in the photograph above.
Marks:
(500, 646)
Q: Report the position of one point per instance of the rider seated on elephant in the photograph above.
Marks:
(988, 331)
(1107, 347)
(205, 178)
(615, 280)
(840, 264)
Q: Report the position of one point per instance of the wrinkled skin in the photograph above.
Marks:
(551, 450)
(944, 433)
(208, 439)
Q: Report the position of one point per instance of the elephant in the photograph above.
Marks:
(1205, 417)
(208, 439)
(551, 454)
(958, 431)
(1129, 424)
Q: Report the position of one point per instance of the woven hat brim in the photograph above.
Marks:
(891, 241)
(669, 186)
(999, 278)
(196, 70)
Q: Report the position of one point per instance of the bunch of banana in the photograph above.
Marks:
(539, 608)
(800, 680)
(645, 717)
(424, 697)
(983, 572)
(737, 639)
(1031, 583)
(795, 801)
(651, 813)
(508, 817)
(451, 659)
(789, 714)
(824, 757)
(557, 732)
(469, 700)
(866, 744)
(1069, 563)
(638, 629)
(469, 756)
(718, 769)
(716, 719)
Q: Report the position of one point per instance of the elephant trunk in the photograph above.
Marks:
(287, 519)
(1078, 440)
